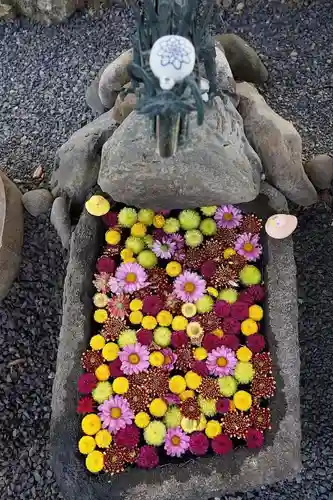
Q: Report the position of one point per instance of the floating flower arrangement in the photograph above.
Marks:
(178, 364)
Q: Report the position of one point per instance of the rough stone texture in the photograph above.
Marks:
(113, 78)
(48, 11)
(320, 171)
(37, 201)
(216, 166)
(61, 220)
(6, 11)
(77, 161)
(12, 235)
(92, 97)
(278, 144)
(123, 107)
(202, 478)
(224, 78)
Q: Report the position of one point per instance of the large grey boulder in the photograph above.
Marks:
(77, 161)
(11, 233)
(216, 166)
(207, 477)
(49, 11)
(278, 144)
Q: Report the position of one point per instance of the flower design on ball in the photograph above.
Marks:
(221, 361)
(228, 217)
(248, 246)
(115, 413)
(164, 249)
(134, 359)
(173, 50)
(189, 287)
(131, 277)
(176, 442)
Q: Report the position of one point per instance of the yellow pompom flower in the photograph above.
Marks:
(103, 438)
(200, 353)
(256, 312)
(139, 230)
(189, 425)
(154, 433)
(87, 445)
(193, 380)
(102, 372)
(229, 252)
(202, 423)
(213, 429)
(173, 417)
(91, 424)
(100, 300)
(158, 221)
(120, 385)
(244, 354)
(95, 461)
(158, 407)
(136, 317)
(179, 323)
(249, 327)
(100, 315)
(242, 400)
(187, 394)
(126, 254)
(164, 318)
(110, 351)
(97, 205)
(162, 336)
(142, 419)
(136, 305)
(149, 323)
(173, 269)
(207, 406)
(127, 337)
(102, 392)
(213, 292)
(112, 237)
(156, 358)
(189, 310)
(177, 384)
(244, 372)
(218, 332)
(227, 385)
(97, 342)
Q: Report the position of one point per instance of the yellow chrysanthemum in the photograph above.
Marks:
(228, 252)
(177, 384)
(102, 372)
(103, 438)
(213, 429)
(149, 323)
(256, 312)
(158, 407)
(136, 317)
(244, 354)
(213, 292)
(91, 424)
(126, 254)
(112, 237)
(95, 461)
(242, 400)
(179, 323)
(193, 380)
(173, 269)
(158, 221)
(120, 385)
(249, 327)
(110, 351)
(97, 342)
(156, 358)
(200, 353)
(100, 315)
(87, 445)
(202, 423)
(187, 394)
(139, 229)
(164, 318)
(136, 305)
(142, 419)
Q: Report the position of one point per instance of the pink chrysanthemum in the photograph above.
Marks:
(199, 443)
(115, 413)
(254, 439)
(131, 277)
(114, 286)
(152, 305)
(134, 359)
(101, 282)
(228, 216)
(148, 457)
(176, 442)
(118, 306)
(144, 337)
(128, 437)
(164, 249)
(189, 287)
(248, 246)
(221, 361)
(86, 383)
(169, 359)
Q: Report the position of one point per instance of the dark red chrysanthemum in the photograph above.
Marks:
(185, 360)
(90, 360)
(111, 250)
(179, 339)
(222, 444)
(262, 363)
(199, 443)
(159, 281)
(105, 265)
(159, 234)
(110, 219)
(86, 383)
(260, 418)
(235, 424)
(208, 321)
(231, 326)
(144, 337)
(231, 341)
(222, 309)
(208, 269)
(148, 457)
(85, 405)
(222, 405)
(255, 342)
(254, 439)
(211, 342)
(257, 292)
(112, 327)
(115, 368)
(224, 276)
(115, 459)
(200, 368)
(127, 437)
(138, 397)
(194, 258)
(209, 388)
(250, 224)
(172, 303)
(239, 310)
(262, 386)
(246, 297)
(237, 262)
(152, 305)
(190, 409)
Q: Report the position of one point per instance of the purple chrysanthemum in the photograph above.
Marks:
(228, 216)
(189, 287)
(178, 239)
(131, 277)
(114, 286)
(134, 359)
(169, 359)
(115, 413)
(221, 361)
(164, 249)
(248, 246)
(176, 442)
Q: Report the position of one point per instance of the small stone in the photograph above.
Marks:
(37, 201)
(240, 6)
(38, 173)
(61, 220)
(320, 171)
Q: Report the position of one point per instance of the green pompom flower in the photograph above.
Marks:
(135, 244)
(189, 219)
(146, 216)
(244, 372)
(193, 238)
(207, 406)
(208, 227)
(209, 211)
(147, 259)
(127, 217)
(171, 225)
(154, 433)
(228, 386)
(229, 295)
(162, 336)
(173, 417)
(102, 392)
(250, 275)
(205, 304)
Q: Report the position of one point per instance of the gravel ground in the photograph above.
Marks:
(43, 77)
